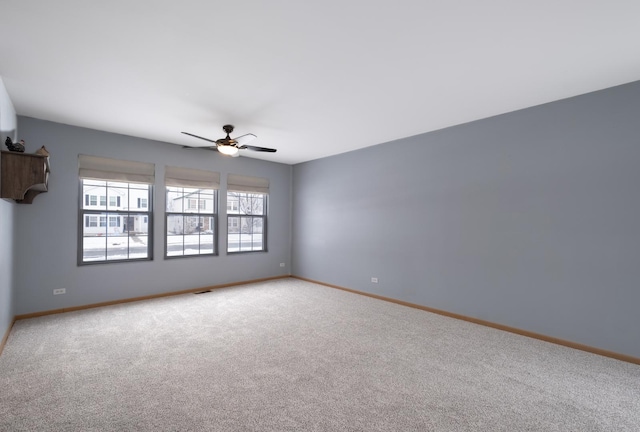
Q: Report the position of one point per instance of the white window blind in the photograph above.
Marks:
(240, 183)
(100, 168)
(191, 178)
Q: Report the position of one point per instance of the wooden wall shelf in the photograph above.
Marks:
(23, 175)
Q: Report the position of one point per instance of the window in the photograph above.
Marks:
(191, 212)
(91, 221)
(245, 227)
(142, 203)
(126, 235)
(118, 230)
(246, 214)
(195, 204)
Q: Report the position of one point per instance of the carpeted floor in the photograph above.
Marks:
(288, 355)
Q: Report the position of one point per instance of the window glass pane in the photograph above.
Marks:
(118, 198)
(258, 204)
(118, 247)
(208, 225)
(233, 203)
(93, 239)
(175, 201)
(191, 224)
(233, 243)
(175, 224)
(175, 239)
(191, 203)
(234, 224)
(257, 242)
(175, 245)
(114, 222)
(137, 199)
(206, 243)
(192, 244)
(139, 246)
(233, 234)
(136, 224)
(257, 225)
(90, 195)
(245, 242)
(245, 204)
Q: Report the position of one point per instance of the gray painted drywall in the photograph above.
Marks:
(528, 219)
(47, 229)
(8, 125)
(7, 222)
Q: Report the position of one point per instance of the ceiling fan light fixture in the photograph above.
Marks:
(228, 150)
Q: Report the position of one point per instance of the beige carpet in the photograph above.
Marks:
(288, 355)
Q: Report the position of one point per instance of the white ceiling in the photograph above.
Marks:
(311, 79)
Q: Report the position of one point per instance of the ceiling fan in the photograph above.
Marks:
(231, 146)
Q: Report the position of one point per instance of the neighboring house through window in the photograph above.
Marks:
(247, 213)
(115, 226)
(191, 212)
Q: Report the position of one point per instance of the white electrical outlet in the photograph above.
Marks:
(59, 291)
(281, 264)
(374, 280)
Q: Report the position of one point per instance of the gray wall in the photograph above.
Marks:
(47, 229)
(528, 219)
(8, 125)
(7, 222)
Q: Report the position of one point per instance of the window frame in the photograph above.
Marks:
(239, 216)
(107, 213)
(189, 211)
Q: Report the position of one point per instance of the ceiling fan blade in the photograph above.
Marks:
(196, 136)
(259, 149)
(243, 139)
(212, 148)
